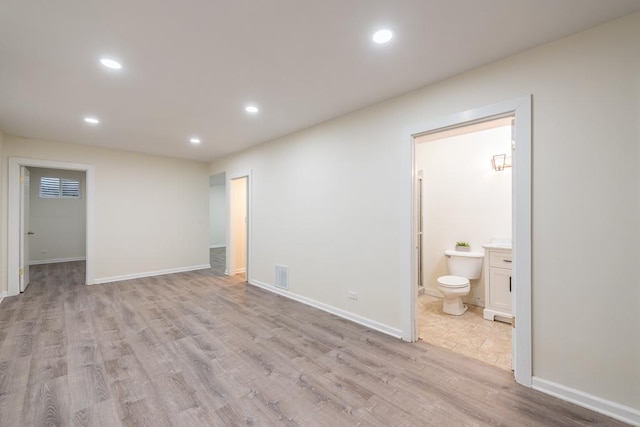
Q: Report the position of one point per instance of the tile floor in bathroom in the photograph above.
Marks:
(468, 334)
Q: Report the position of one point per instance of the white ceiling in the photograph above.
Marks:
(191, 66)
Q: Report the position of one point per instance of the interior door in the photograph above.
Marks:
(513, 286)
(24, 228)
(420, 229)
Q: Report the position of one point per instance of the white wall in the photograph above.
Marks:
(3, 225)
(332, 203)
(217, 216)
(150, 211)
(59, 224)
(464, 199)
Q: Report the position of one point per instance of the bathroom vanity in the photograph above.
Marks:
(497, 281)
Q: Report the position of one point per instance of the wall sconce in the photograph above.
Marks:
(500, 161)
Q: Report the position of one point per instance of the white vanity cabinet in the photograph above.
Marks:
(497, 282)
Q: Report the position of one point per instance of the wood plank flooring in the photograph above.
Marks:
(202, 349)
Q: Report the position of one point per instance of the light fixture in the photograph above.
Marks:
(111, 63)
(195, 140)
(382, 36)
(91, 120)
(500, 161)
(252, 109)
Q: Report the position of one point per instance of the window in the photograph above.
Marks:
(59, 187)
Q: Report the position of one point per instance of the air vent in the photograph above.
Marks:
(282, 276)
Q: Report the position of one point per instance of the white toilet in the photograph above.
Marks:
(462, 266)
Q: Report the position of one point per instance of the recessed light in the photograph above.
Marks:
(251, 109)
(111, 63)
(91, 120)
(382, 36)
(195, 140)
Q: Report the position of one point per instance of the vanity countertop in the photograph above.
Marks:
(498, 244)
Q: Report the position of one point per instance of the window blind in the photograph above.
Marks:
(59, 187)
(70, 187)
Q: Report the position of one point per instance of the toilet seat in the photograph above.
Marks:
(453, 281)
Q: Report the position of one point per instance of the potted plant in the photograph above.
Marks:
(463, 247)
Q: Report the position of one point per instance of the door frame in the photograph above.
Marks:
(230, 263)
(520, 108)
(14, 212)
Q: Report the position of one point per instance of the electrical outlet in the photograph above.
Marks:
(353, 295)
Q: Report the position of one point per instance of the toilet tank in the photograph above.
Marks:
(464, 264)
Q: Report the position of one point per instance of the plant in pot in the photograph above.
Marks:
(463, 247)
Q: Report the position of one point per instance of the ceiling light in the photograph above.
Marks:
(195, 140)
(251, 109)
(382, 36)
(110, 63)
(91, 120)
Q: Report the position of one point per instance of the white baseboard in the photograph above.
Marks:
(53, 261)
(2, 295)
(150, 274)
(217, 246)
(371, 324)
(241, 270)
(436, 293)
(473, 301)
(612, 409)
(432, 292)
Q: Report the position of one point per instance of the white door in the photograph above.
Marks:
(513, 286)
(420, 230)
(24, 228)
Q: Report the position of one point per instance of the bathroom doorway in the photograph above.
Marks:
(521, 110)
(464, 189)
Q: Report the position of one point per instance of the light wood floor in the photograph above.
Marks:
(197, 348)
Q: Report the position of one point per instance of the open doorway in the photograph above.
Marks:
(54, 220)
(218, 212)
(465, 221)
(19, 252)
(520, 109)
(238, 228)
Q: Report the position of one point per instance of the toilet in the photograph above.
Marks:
(462, 267)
